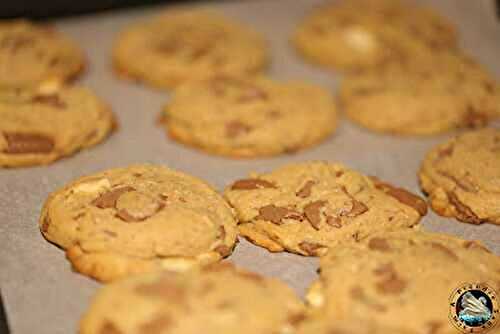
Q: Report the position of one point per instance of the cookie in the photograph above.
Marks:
(422, 100)
(344, 37)
(306, 208)
(33, 55)
(249, 117)
(181, 46)
(391, 277)
(216, 299)
(322, 325)
(39, 128)
(462, 177)
(137, 219)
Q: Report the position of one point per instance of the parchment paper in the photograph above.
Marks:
(43, 296)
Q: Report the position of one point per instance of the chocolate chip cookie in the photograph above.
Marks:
(33, 55)
(423, 100)
(249, 117)
(308, 207)
(38, 128)
(390, 277)
(136, 219)
(216, 299)
(462, 177)
(180, 46)
(364, 34)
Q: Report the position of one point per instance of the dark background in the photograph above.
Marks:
(51, 8)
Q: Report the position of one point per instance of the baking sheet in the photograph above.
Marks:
(41, 293)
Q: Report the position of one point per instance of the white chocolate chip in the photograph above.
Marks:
(93, 187)
(49, 87)
(360, 39)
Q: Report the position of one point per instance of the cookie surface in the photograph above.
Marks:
(307, 207)
(342, 36)
(217, 299)
(35, 55)
(462, 177)
(390, 277)
(37, 129)
(422, 100)
(137, 219)
(249, 117)
(322, 325)
(181, 46)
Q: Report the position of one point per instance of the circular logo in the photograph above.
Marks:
(474, 308)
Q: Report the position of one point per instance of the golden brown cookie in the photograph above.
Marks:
(137, 219)
(423, 100)
(249, 117)
(33, 56)
(218, 299)
(180, 46)
(306, 208)
(462, 177)
(38, 128)
(363, 34)
(403, 279)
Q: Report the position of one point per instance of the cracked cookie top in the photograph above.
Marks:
(183, 45)
(389, 277)
(308, 207)
(250, 117)
(39, 127)
(136, 219)
(34, 55)
(218, 299)
(462, 177)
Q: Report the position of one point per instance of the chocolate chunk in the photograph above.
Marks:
(391, 283)
(445, 152)
(236, 128)
(379, 244)
(334, 221)
(108, 199)
(464, 213)
(52, 100)
(312, 211)
(445, 250)
(358, 293)
(223, 250)
(296, 318)
(15, 42)
(306, 190)
(275, 214)
(358, 208)
(474, 118)
(489, 87)
(311, 248)
(156, 325)
(108, 327)
(403, 196)
(250, 184)
(25, 143)
(134, 216)
(462, 183)
(164, 288)
(110, 233)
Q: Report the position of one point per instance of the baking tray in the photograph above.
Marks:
(42, 295)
